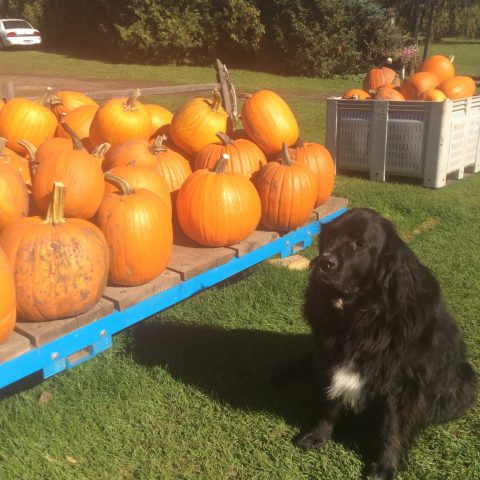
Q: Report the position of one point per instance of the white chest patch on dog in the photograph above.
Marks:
(347, 386)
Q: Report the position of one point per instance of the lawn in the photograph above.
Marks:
(185, 395)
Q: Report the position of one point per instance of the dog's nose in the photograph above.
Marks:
(328, 262)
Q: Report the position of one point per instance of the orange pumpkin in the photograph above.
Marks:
(440, 66)
(136, 150)
(139, 176)
(138, 229)
(288, 192)
(320, 162)
(23, 119)
(269, 121)
(414, 86)
(458, 87)
(13, 195)
(160, 117)
(65, 101)
(60, 265)
(218, 208)
(434, 95)
(48, 147)
(119, 120)
(195, 124)
(245, 157)
(9, 157)
(80, 173)
(356, 94)
(388, 93)
(8, 310)
(79, 120)
(379, 77)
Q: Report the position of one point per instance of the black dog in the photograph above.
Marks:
(382, 337)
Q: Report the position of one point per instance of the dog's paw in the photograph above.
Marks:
(380, 472)
(310, 440)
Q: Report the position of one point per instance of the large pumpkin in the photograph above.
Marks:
(13, 195)
(79, 120)
(458, 87)
(268, 121)
(23, 119)
(379, 77)
(160, 117)
(288, 192)
(195, 124)
(245, 157)
(81, 174)
(218, 208)
(138, 228)
(60, 265)
(8, 309)
(119, 120)
(320, 162)
(440, 66)
(415, 86)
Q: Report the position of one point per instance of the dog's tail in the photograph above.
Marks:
(460, 395)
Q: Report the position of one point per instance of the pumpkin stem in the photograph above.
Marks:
(299, 143)
(221, 163)
(100, 150)
(158, 146)
(224, 138)
(451, 57)
(130, 103)
(124, 187)
(217, 100)
(286, 160)
(245, 95)
(77, 143)
(45, 96)
(56, 206)
(3, 142)
(32, 152)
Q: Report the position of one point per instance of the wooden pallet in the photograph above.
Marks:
(55, 345)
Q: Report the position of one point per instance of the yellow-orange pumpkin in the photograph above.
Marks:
(356, 94)
(458, 87)
(79, 120)
(414, 87)
(160, 117)
(65, 101)
(434, 95)
(60, 265)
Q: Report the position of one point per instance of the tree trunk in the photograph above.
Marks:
(428, 33)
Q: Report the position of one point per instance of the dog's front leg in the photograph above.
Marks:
(321, 431)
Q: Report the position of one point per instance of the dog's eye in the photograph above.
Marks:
(357, 245)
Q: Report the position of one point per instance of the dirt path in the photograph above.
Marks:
(31, 85)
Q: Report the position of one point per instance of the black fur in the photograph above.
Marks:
(372, 306)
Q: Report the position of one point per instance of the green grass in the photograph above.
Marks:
(185, 395)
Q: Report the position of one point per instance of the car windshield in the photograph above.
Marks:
(9, 24)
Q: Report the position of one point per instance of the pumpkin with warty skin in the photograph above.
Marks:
(119, 120)
(8, 309)
(288, 192)
(318, 159)
(269, 121)
(23, 119)
(458, 87)
(60, 265)
(65, 101)
(13, 195)
(414, 87)
(245, 157)
(440, 66)
(195, 124)
(139, 232)
(216, 208)
(81, 174)
(139, 176)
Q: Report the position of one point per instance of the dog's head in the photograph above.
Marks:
(355, 251)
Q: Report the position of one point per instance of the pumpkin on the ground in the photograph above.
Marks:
(245, 157)
(60, 265)
(288, 192)
(8, 309)
(269, 121)
(216, 208)
(138, 228)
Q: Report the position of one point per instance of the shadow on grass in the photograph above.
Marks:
(235, 366)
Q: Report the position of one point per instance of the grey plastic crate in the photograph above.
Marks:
(417, 139)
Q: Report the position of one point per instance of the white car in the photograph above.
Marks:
(15, 32)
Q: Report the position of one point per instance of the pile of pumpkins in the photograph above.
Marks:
(90, 194)
(435, 80)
